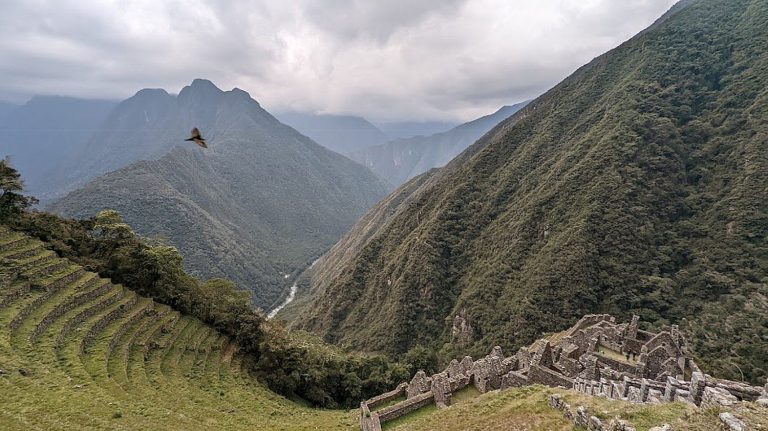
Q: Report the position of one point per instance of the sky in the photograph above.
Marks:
(387, 60)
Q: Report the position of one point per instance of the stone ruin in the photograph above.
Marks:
(597, 356)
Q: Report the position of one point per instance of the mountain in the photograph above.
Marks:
(44, 132)
(143, 127)
(262, 202)
(6, 108)
(408, 129)
(340, 133)
(400, 160)
(637, 185)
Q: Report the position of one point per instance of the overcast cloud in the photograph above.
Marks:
(383, 59)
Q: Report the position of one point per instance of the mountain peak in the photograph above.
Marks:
(200, 88)
(150, 92)
(203, 83)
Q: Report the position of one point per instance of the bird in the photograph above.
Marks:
(196, 138)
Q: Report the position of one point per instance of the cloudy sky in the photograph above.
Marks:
(384, 59)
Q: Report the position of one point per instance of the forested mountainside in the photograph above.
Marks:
(343, 134)
(260, 203)
(637, 185)
(46, 132)
(403, 159)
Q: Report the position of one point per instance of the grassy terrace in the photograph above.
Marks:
(78, 352)
(527, 409)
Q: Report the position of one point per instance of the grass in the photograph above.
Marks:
(186, 384)
(172, 372)
(616, 356)
(527, 409)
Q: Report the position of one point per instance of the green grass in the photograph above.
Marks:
(186, 384)
(172, 372)
(527, 409)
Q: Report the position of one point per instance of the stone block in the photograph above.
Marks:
(715, 397)
(731, 422)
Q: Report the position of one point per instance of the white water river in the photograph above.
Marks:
(287, 301)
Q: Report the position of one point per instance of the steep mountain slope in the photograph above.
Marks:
(340, 133)
(143, 127)
(262, 202)
(638, 185)
(400, 160)
(48, 131)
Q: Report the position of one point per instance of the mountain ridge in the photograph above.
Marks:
(261, 203)
(400, 160)
(606, 194)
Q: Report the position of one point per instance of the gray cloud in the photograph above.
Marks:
(387, 60)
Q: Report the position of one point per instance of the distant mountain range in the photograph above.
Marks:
(261, 203)
(409, 129)
(340, 133)
(401, 160)
(46, 133)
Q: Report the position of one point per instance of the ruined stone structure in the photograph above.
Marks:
(597, 356)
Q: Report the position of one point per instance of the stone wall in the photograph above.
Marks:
(405, 407)
(387, 397)
(573, 361)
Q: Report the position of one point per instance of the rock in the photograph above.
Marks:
(665, 427)
(619, 425)
(718, 397)
(763, 402)
(732, 422)
(595, 424)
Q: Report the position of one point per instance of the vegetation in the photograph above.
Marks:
(12, 202)
(260, 204)
(637, 185)
(290, 364)
(402, 159)
(121, 361)
(526, 409)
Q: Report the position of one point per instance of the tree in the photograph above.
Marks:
(12, 202)
(110, 226)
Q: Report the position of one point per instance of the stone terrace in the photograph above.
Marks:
(597, 356)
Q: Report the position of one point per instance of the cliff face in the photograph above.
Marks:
(637, 185)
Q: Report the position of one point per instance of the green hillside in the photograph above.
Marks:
(637, 185)
(400, 160)
(78, 352)
(257, 206)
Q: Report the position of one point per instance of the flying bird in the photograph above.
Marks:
(196, 138)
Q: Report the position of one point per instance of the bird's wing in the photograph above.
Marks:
(195, 133)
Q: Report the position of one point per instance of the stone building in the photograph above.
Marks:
(597, 356)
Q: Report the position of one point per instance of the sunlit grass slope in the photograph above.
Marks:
(78, 352)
